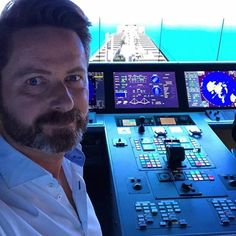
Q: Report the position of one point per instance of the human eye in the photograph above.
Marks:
(74, 78)
(35, 81)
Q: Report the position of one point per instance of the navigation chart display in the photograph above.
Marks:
(96, 90)
(145, 90)
(211, 88)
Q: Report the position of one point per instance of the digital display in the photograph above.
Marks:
(96, 90)
(211, 88)
(145, 90)
(167, 121)
(129, 122)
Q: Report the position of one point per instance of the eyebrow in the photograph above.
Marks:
(30, 70)
(77, 69)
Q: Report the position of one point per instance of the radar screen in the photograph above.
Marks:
(96, 90)
(211, 88)
(145, 90)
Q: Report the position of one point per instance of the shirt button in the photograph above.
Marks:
(59, 197)
(51, 185)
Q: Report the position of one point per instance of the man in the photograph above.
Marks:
(44, 51)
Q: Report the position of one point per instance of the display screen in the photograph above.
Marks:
(96, 90)
(145, 90)
(211, 88)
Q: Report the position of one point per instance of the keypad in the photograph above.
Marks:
(225, 209)
(146, 210)
(150, 160)
(199, 175)
(197, 159)
(169, 211)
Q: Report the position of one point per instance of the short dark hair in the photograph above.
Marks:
(19, 14)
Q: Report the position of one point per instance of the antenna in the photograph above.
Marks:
(99, 38)
(221, 32)
(160, 38)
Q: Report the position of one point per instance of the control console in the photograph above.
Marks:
(171, 175)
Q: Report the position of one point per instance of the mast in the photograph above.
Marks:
(219, 45)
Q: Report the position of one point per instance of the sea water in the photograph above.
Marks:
(182, 43)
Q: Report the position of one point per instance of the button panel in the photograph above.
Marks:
(226, 209)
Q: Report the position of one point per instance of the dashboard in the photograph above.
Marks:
(161, 87)
(170, 174)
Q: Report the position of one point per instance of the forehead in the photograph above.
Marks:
(47, 44)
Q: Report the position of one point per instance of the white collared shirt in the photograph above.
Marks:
(33, 203)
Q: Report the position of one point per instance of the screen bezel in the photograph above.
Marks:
(209, 66)
(147, 67)
(178, 67)
(148, 107)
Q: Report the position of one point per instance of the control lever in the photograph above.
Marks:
(119, 142)
(187, 187)
(175, 155)
(160, 132)
(141, 128)
(195, 132)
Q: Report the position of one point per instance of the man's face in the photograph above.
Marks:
(44, 103)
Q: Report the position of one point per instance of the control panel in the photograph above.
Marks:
(171, 175)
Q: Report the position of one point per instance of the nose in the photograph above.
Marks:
(62, 99)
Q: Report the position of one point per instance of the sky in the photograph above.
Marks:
(172, 12)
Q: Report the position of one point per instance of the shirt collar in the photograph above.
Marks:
(76, 155)
(15, 167)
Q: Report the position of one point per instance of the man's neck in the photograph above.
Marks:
(50, 162)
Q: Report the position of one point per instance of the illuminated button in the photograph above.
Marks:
(142, 225)
(163, 223)
(225, 221)
(182, 223)
(154, 211)
(149, 219)
(148, 147)
(231, 216)
(138, 208)
(210, 177)
(177, 210)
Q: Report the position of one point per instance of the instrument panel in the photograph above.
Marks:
(171, 174)
(162, 87)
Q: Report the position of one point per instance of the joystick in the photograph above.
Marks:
(141, 128)
(175, 155)
(187, 187)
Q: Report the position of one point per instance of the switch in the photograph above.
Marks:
(137, 186)
(187, 188)
(119, 142)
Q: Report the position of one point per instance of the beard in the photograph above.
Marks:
(61, 139)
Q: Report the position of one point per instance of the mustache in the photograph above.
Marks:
(58, 118)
